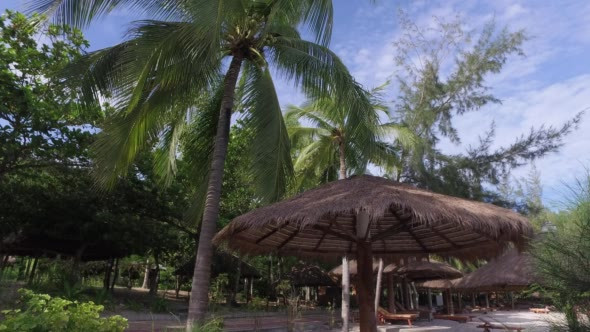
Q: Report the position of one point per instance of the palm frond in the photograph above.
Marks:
(272, 167)
(80, 13)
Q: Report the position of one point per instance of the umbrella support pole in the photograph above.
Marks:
(390, 293)
(429, 304)
(365, 291)
(378, 285)
(487, 300)
(345, 294)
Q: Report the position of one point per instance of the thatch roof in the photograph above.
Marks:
(310, 275)
(424, 270)
(439, 284)
(223, 262)
(405, 221)
(352, 270)
(511, 271)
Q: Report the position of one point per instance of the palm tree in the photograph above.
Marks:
(326, 149)
(156, 76)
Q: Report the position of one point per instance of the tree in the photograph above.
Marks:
(41, 123)
(561, 258)
(156, 75)
(429, 100)
(325, 151)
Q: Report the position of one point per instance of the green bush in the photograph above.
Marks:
(42, 313)
(212, 325)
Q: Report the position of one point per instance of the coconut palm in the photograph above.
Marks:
(326, 150)
(157, 75)
(320, 133)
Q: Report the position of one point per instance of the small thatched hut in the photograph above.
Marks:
(512, 271)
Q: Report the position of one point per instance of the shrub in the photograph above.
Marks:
(212, 325)
(42, 312)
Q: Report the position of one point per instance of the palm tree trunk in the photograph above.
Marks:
(199, 298)
(342, 174)
(345, 272)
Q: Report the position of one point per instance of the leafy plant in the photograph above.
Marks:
(42, 312)
(212, 325)
(159, 305)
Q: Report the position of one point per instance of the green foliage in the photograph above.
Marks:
(429, 101)
(212, 325)
(336, 141)
(562, 260)
(159, 304)
(218, 286)
(41, 123)
(42, 312)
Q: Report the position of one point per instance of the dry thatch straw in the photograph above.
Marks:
(424, 270)
(405, 221)
(511, 271)
(310, 275)
(441, 284)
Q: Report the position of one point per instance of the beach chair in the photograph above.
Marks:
(540, 310)
(384, 316)
(489, 326)
(456, 318)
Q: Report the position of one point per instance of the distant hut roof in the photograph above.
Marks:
(310, 275)
(439, 284)
(222, 262)
(321, 222)
(424, 270)
(511, 271)
(352, 268)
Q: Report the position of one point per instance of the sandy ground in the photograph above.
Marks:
(530, 321)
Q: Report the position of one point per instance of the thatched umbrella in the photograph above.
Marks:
(512, 271)
(444, 285)
(424, 270)
(440, 284)
(420, 270)
(364, 216)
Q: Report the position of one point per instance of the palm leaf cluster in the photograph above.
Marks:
(320, 136)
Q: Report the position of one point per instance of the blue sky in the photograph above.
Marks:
(547, 86)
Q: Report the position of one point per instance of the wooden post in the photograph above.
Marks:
(365, 291)
(345, 294)
(251, 287)
(460, 301)
(402, 294)
(512, 299)
(472, 300)
(429, 304)
(378, 285)
(487, 300)
(406, 296)
(451, 305)
(390, 293)
(416, 296)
